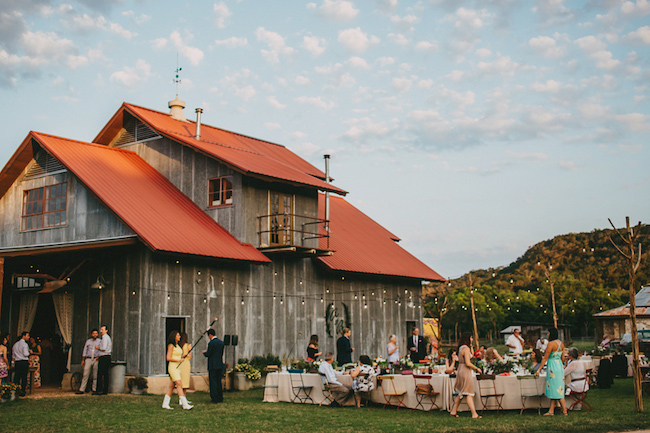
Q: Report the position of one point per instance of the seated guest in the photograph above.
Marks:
(312, 350)
(491, 356)
(342, 394)
(537, 358)
(541, 344)
(576, 371)
(606, 341)
(451, 362)
(393, 350)
(479, 353)
(363, 375)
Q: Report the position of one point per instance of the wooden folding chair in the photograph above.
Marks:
(529, 388)
(298, 387)
(424, 390)
(327, 392)
(580, 397)
(390, 392)
(487, 389)
(273, 389)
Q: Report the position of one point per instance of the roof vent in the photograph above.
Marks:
(198, 123)
(176, 111)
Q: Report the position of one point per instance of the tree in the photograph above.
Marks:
(633, 262)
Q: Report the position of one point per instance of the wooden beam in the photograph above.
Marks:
(2, 275)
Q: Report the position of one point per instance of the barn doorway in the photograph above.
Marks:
(173, 324)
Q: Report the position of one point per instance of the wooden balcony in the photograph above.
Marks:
(291, 233)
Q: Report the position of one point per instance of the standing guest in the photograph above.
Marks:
(554, 372)
(433, 347)
(363, 381)
(416, 346)
(20, 355)
(214, 353)
(343, 395)
(312, 349)
(393, 350)
(479, 353)
(451, 363)
(174, 358)
(515, 343)
(35, 360)
(492, 356)
(4, 361)
(89, 362)
(105, 349)
(343, 348)
(464, 378)
(186, 365)
(606, 341)
(541, 344)
(576, 371)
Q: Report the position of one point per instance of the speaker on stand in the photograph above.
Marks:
(226, 342)
(234, 341)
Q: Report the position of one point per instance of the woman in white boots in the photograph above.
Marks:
(174, 357)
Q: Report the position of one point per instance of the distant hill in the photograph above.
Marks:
(589, 276)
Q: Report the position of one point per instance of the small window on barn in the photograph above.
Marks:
(44, 207)
(220, 193)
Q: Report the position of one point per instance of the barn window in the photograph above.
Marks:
(220, 193)
(44, 207)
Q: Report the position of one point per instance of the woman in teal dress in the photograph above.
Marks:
(554, 372)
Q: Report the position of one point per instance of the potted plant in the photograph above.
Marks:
(300, 364)
(137, 384)
(245, 376)
(8, 392)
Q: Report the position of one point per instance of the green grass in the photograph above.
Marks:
(245, 411)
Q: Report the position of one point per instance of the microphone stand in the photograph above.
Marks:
(197, 342)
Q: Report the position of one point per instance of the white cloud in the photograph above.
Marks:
(503, 65)
(399, 39)
(553, 12)
(402, 84)
(456, 75)
(301, 80)
(596, 50)
(638, 9)
(273, 102)
(547, 47)
(470, 18)
(641, 35)
(426, 46)
(425, 84)
(272, 125)
(315, 101)
(483, 52)
(385, 61)
(357, 62)
(140, 19)
(314, 44)
(593, 111)
(232, 42)
(245, 92)
(356, 40)
(338, 10)
(276, 44)
(551, 86)
(193, 54)
(222, 12)
(87, 23)
(637, 122)
(404, 23)
(568, 165)
(132, 76)
(364, 128)
(159, 43)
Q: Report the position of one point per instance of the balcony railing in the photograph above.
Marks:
(282, 231)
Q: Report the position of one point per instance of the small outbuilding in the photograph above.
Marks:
(616, 322)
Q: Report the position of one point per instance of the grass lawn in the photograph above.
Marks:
(245, 411)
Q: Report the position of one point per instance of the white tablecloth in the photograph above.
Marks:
(511, 387)
(442, 383)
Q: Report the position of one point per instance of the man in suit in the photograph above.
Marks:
(416, 346)
(343, 348)
(215, 366)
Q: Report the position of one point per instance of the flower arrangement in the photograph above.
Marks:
(7, 389)
(600, 351)
(505, 366)
(480, 364)
(316, 364)
(300, 364)
(250, 372)
(406, 363)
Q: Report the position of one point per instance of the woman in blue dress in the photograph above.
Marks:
(554, 372)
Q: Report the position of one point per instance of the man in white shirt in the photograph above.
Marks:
(541, 344)
(20, 355)
(89, 362)
(105, 349)
(515, 343)
(343, 395)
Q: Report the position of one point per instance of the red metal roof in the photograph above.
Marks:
(361, 245)
(161, 215)
(245, 154)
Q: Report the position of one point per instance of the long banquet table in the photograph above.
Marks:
(442, 383)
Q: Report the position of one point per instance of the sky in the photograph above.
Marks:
(470, 129)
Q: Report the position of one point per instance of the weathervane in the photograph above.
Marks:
(176, 79)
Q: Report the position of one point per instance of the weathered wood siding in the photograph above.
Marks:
(87, 218)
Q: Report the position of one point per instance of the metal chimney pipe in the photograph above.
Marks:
(327, 193)
(198, 123)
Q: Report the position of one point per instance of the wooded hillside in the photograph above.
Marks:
(589, 276)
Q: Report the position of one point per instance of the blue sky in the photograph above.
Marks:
(471, 129)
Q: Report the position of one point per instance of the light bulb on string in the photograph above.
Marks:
(133, 292)
(303, 301)
(321, 299)
(355, 296)
(169, 296)
(365, 305)
(242, 300)
(363, 296)
(205, 300)
(281, 300)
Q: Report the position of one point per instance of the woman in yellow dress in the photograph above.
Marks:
(174, 357)
(186, 365)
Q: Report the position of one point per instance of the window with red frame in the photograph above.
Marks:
(44, 207)
(220, 193)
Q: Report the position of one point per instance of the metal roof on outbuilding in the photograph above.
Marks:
(642, 300)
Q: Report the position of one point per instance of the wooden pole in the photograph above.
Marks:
(2, 278)
(547, 272)
(471, 301)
